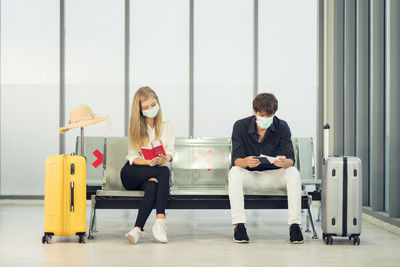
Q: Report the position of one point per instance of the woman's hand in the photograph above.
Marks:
(283, 162)
(154, 162)
(164, 159)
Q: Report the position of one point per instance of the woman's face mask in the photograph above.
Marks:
(264, 123)
(151, 113)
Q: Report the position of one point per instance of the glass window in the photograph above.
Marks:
(159, 55)
(94, 64)
(29, 93)
(288, 60)
(223, 65)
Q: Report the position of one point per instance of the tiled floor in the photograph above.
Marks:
(196, 238)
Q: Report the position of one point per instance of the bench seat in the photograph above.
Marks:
(191, 192)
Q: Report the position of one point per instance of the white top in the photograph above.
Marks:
(167, 138)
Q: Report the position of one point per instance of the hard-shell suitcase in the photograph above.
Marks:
(65, 197)
(341, 198)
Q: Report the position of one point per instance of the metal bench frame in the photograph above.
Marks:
(107, 199)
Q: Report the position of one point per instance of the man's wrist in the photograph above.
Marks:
(241, 162)
(290, 163)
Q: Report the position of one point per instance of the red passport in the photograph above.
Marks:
(156, 150)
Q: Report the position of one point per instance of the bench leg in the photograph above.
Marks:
(318, 189)
(308, 223)
(319, 212)
(92, 217)
(309, 208)
(95, 222)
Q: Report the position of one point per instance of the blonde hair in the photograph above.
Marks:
(138, 135)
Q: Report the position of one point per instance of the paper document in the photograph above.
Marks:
(269, 158)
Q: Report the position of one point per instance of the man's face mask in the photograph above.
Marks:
(151, 113)
(264, 123)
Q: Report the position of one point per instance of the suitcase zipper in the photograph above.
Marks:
(345, 196)
(66, 194)
(64, 198)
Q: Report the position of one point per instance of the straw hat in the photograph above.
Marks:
(82, 116)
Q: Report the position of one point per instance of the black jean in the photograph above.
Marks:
(136, 177)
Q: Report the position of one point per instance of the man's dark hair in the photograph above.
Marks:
(265, 102)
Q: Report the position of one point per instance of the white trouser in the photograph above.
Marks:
(278, 179)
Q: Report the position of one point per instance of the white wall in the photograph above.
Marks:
(159, 58)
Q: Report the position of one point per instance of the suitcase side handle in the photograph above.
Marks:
(72, 197)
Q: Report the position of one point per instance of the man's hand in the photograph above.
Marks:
(250, 162)
(283, 162)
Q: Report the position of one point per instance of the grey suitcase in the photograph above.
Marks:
(341, 198)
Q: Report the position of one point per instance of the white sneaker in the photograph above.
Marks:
(134, 235)
(160, 230)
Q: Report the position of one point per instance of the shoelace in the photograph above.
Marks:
(164, 226)
(141, 233)
(294, 227)
(240, 227)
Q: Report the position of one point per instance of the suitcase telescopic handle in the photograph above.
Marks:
(326, 140)
(72, 196)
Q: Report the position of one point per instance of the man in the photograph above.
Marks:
(263, 134)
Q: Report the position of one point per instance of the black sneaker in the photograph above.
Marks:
(240, 234)
(296, 237)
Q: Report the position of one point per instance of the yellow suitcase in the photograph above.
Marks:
(65, 197)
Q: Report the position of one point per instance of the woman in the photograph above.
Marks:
(146, 126)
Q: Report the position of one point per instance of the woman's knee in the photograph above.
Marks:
(163, 173)
(151, 185)
(153, 180)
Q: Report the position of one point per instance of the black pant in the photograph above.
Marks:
(136, 177)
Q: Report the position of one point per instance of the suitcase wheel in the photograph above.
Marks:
(356, 240)
(82, 238)
(328, 240)
(45, 238)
